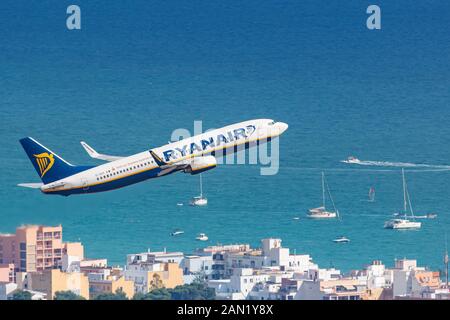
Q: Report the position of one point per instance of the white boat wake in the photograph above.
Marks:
(395, 164)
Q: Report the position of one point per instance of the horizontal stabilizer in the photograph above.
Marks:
(35, 185)
(94, 154)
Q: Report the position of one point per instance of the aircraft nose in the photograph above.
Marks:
(282, 126)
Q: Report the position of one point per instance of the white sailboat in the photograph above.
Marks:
(404, 223)
(199, 200)
(321, 212)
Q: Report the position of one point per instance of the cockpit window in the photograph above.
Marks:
(271, 123)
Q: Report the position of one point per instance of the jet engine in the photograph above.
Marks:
(200, 164)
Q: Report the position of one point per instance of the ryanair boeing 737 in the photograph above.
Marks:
(192, 155)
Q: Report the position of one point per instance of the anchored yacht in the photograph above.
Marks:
(403, 222)
(199, 200)
(322, 212)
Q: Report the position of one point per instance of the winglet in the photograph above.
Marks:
(33, 185)
(89, 149)
(94, 154)
(157, 159)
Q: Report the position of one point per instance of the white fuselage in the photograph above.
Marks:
(143, 166)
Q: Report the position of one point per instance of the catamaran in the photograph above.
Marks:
(199, 200)
(321, 212)
(404, 223)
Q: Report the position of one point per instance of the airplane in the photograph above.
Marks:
(192, 155)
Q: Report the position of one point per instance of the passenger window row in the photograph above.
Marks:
(110, 174)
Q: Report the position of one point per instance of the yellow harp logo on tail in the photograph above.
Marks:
(45, 161)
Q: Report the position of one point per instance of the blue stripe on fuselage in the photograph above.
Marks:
(111, 185)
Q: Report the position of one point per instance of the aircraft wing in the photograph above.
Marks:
(32, 185)
(192, 166)
(94, 154)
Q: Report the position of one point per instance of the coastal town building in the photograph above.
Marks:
(36, 248)
(197, 267)
(36, 260)
(54, 280)
(7, 273)
(105, 282)
(148, 275)
(7, 289)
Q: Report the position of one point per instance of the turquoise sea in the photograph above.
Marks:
(139, 69)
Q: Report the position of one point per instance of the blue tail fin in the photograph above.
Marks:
(48, 164)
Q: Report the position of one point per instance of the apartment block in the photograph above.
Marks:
(36, 248)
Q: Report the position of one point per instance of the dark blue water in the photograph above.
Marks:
(136, 71)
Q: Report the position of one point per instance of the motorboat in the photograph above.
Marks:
(341, 239)
(177, 232)
(202, 237)
(351, 159)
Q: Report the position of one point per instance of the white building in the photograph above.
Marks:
(272, 254)
(248, 283)
(402, 281)
(156, 256)
(319, 274)
(139, 273)
(240, 284)
(7, 289)
(197, 266)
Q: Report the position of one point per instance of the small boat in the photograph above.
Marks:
(201, 237)
(199, 200)
(371, 194)
(341, 239)
(351, 159)
(321, 212)
(403, 223)
(296, 218)
(427, 216)
(180, 204)
(177, 232)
